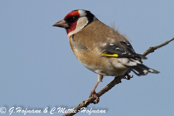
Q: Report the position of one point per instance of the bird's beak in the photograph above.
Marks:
(62, 24)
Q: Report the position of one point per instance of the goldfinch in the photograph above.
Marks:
(100, 48)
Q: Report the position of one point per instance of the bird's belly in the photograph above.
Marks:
(110, 72)
(101, 65)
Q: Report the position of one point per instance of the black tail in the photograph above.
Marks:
(140, 69)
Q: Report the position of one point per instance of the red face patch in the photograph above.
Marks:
(72, 27)
(73, 24)
(72, 14)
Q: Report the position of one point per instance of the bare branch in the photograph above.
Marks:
(114, 82)
(152, 49)
(86, 102)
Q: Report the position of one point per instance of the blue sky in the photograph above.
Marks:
(39, 70)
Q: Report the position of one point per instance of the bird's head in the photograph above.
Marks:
(75, 21)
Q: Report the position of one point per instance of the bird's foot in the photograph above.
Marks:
(94, 94)
(127, 76)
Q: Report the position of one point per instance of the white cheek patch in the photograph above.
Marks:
(81, 23)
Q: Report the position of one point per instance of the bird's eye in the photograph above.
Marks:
(72, 19)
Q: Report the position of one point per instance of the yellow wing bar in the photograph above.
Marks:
(110, 55)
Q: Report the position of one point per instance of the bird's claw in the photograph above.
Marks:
(94, 94)
(127, 76)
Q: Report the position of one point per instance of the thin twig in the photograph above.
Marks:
(114, 82)
(152, 49)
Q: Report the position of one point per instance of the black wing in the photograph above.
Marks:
(122, 50)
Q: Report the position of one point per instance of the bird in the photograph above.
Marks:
(101, 48)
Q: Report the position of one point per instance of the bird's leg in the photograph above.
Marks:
(93, 93)
(127, 76)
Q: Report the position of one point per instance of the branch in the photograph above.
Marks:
(152, 49)
(114, 82)
(86, 102)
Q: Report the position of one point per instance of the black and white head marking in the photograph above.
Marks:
(86, 17)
